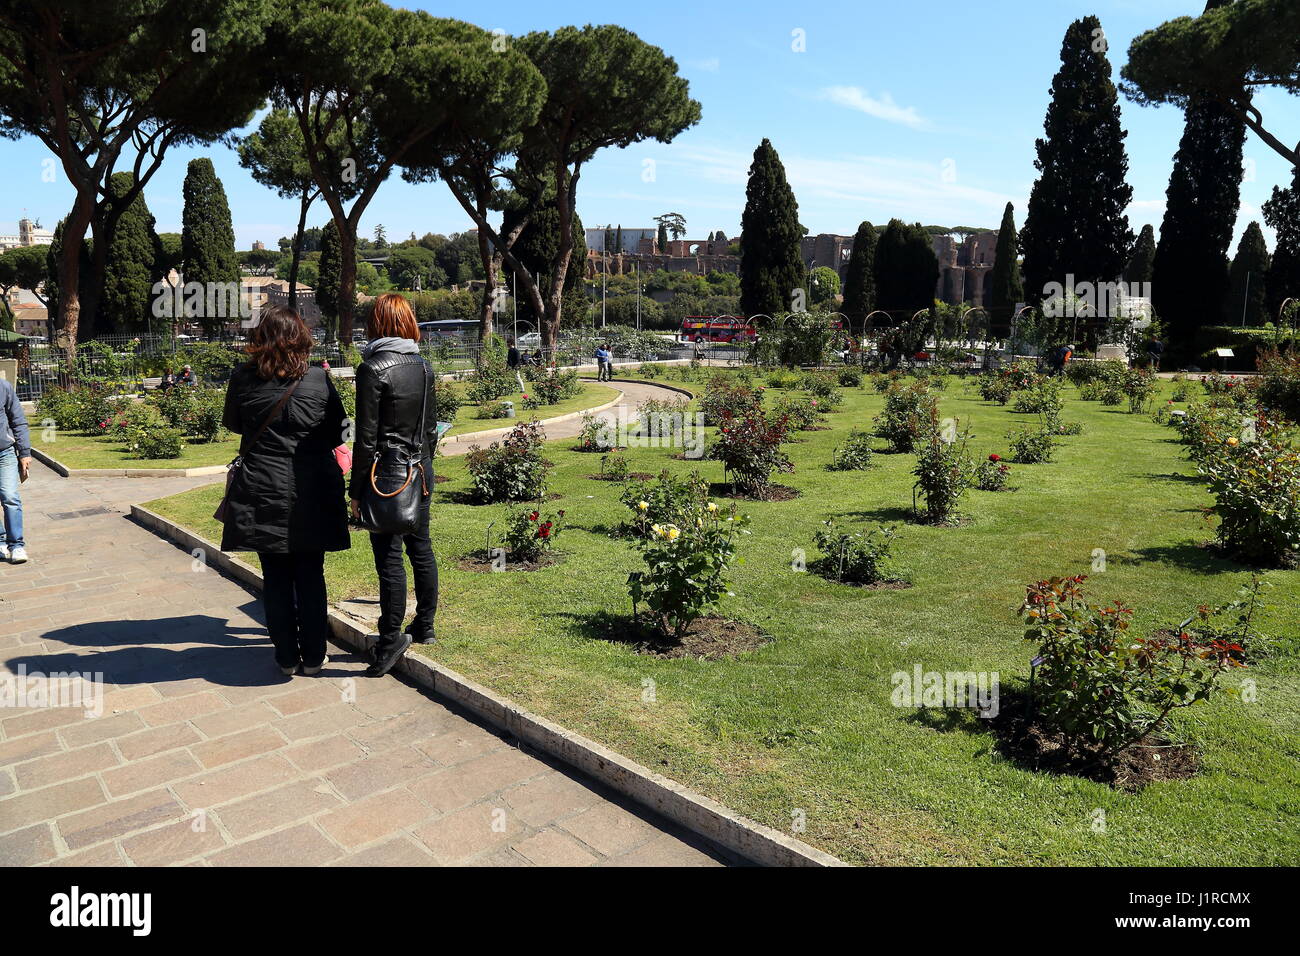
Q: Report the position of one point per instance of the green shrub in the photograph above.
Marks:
(1099, 687)
(801, 411)
(724, 399)
(992, 474)
(512, 469)
(855, 454)
(530, 535)
(911, 413)
(155, 443)
(1255, 480)
(1279, 383)
(857, 557)
(1032, 446)
(943, 475)
(595, 435)
(850, 376)
(492, 410)
(750, 447)
(666, 499)
(686, 568)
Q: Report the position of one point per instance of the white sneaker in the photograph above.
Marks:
(4, 552)
(18, 554)
(313, 671)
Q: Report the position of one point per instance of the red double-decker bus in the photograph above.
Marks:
(716, 328)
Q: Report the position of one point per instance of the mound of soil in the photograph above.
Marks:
(630, 476)
(708, 638)
(770, 493)
(482, 562)
(1023, 739)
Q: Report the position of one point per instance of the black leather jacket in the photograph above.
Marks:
(392, 390)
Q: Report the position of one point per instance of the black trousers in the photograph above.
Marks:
(392, 581)
(297, 617)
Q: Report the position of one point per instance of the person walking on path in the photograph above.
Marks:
(15, 465)
(286, 500)
(512, 354)
(392, 400)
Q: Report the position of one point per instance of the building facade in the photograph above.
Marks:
(29, 234)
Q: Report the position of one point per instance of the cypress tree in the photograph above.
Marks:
(906, 269)
(1190, 276)
(662, 239)
(327, 279)
(1282, 213)
(1141, 264)
(131, 267)
(860, 280)
(1076, 223)
(771, 265)
(1248, 280)
(207, 235)
(1006, 286)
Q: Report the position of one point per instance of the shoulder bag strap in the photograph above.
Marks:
(275, 413)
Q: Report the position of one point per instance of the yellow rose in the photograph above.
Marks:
(712, 507)
(673, 534)
(657, 529)
(1233, 441)
(643, 506)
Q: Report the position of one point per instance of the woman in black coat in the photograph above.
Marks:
(393, 388)
(287, 500)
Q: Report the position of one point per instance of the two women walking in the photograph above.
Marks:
(285, 499)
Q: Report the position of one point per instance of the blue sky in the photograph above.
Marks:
(925, 111)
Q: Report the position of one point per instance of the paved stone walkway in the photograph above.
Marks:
(203, 754)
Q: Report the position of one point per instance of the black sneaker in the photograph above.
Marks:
(384, 660)
(422, 638)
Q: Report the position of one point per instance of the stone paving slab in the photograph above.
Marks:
(204, 754)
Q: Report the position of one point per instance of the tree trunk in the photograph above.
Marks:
(69, 312)
(347, 281)
(303, 203)
(486, 320)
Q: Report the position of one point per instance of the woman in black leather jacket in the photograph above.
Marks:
(392, 399)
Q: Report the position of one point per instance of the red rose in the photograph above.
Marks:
(995, 457)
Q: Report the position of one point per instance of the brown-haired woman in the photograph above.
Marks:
(286, 502)
(392, 400)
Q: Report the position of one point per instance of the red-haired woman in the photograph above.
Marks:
(393, 389)
(287, 501)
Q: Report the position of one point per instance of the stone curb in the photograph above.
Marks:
(64, 471)
(697, 813)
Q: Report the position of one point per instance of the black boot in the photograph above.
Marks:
(388, 653)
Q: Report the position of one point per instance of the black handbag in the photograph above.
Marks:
(398, 509)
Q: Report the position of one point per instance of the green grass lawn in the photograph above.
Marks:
(591, 396)
(805, 725)
(78, 450)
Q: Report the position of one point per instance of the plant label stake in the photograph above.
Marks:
(1033, 669)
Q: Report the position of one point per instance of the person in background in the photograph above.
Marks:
(1155, 349)
(512, 354)
(187, 377)
(393, 388)
(604, 363)
(168, 380)
(286, 501)
(15, 465)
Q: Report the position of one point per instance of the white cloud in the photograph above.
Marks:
(711, 65)
(882, 107)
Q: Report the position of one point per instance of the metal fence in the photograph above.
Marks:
(131, 363)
